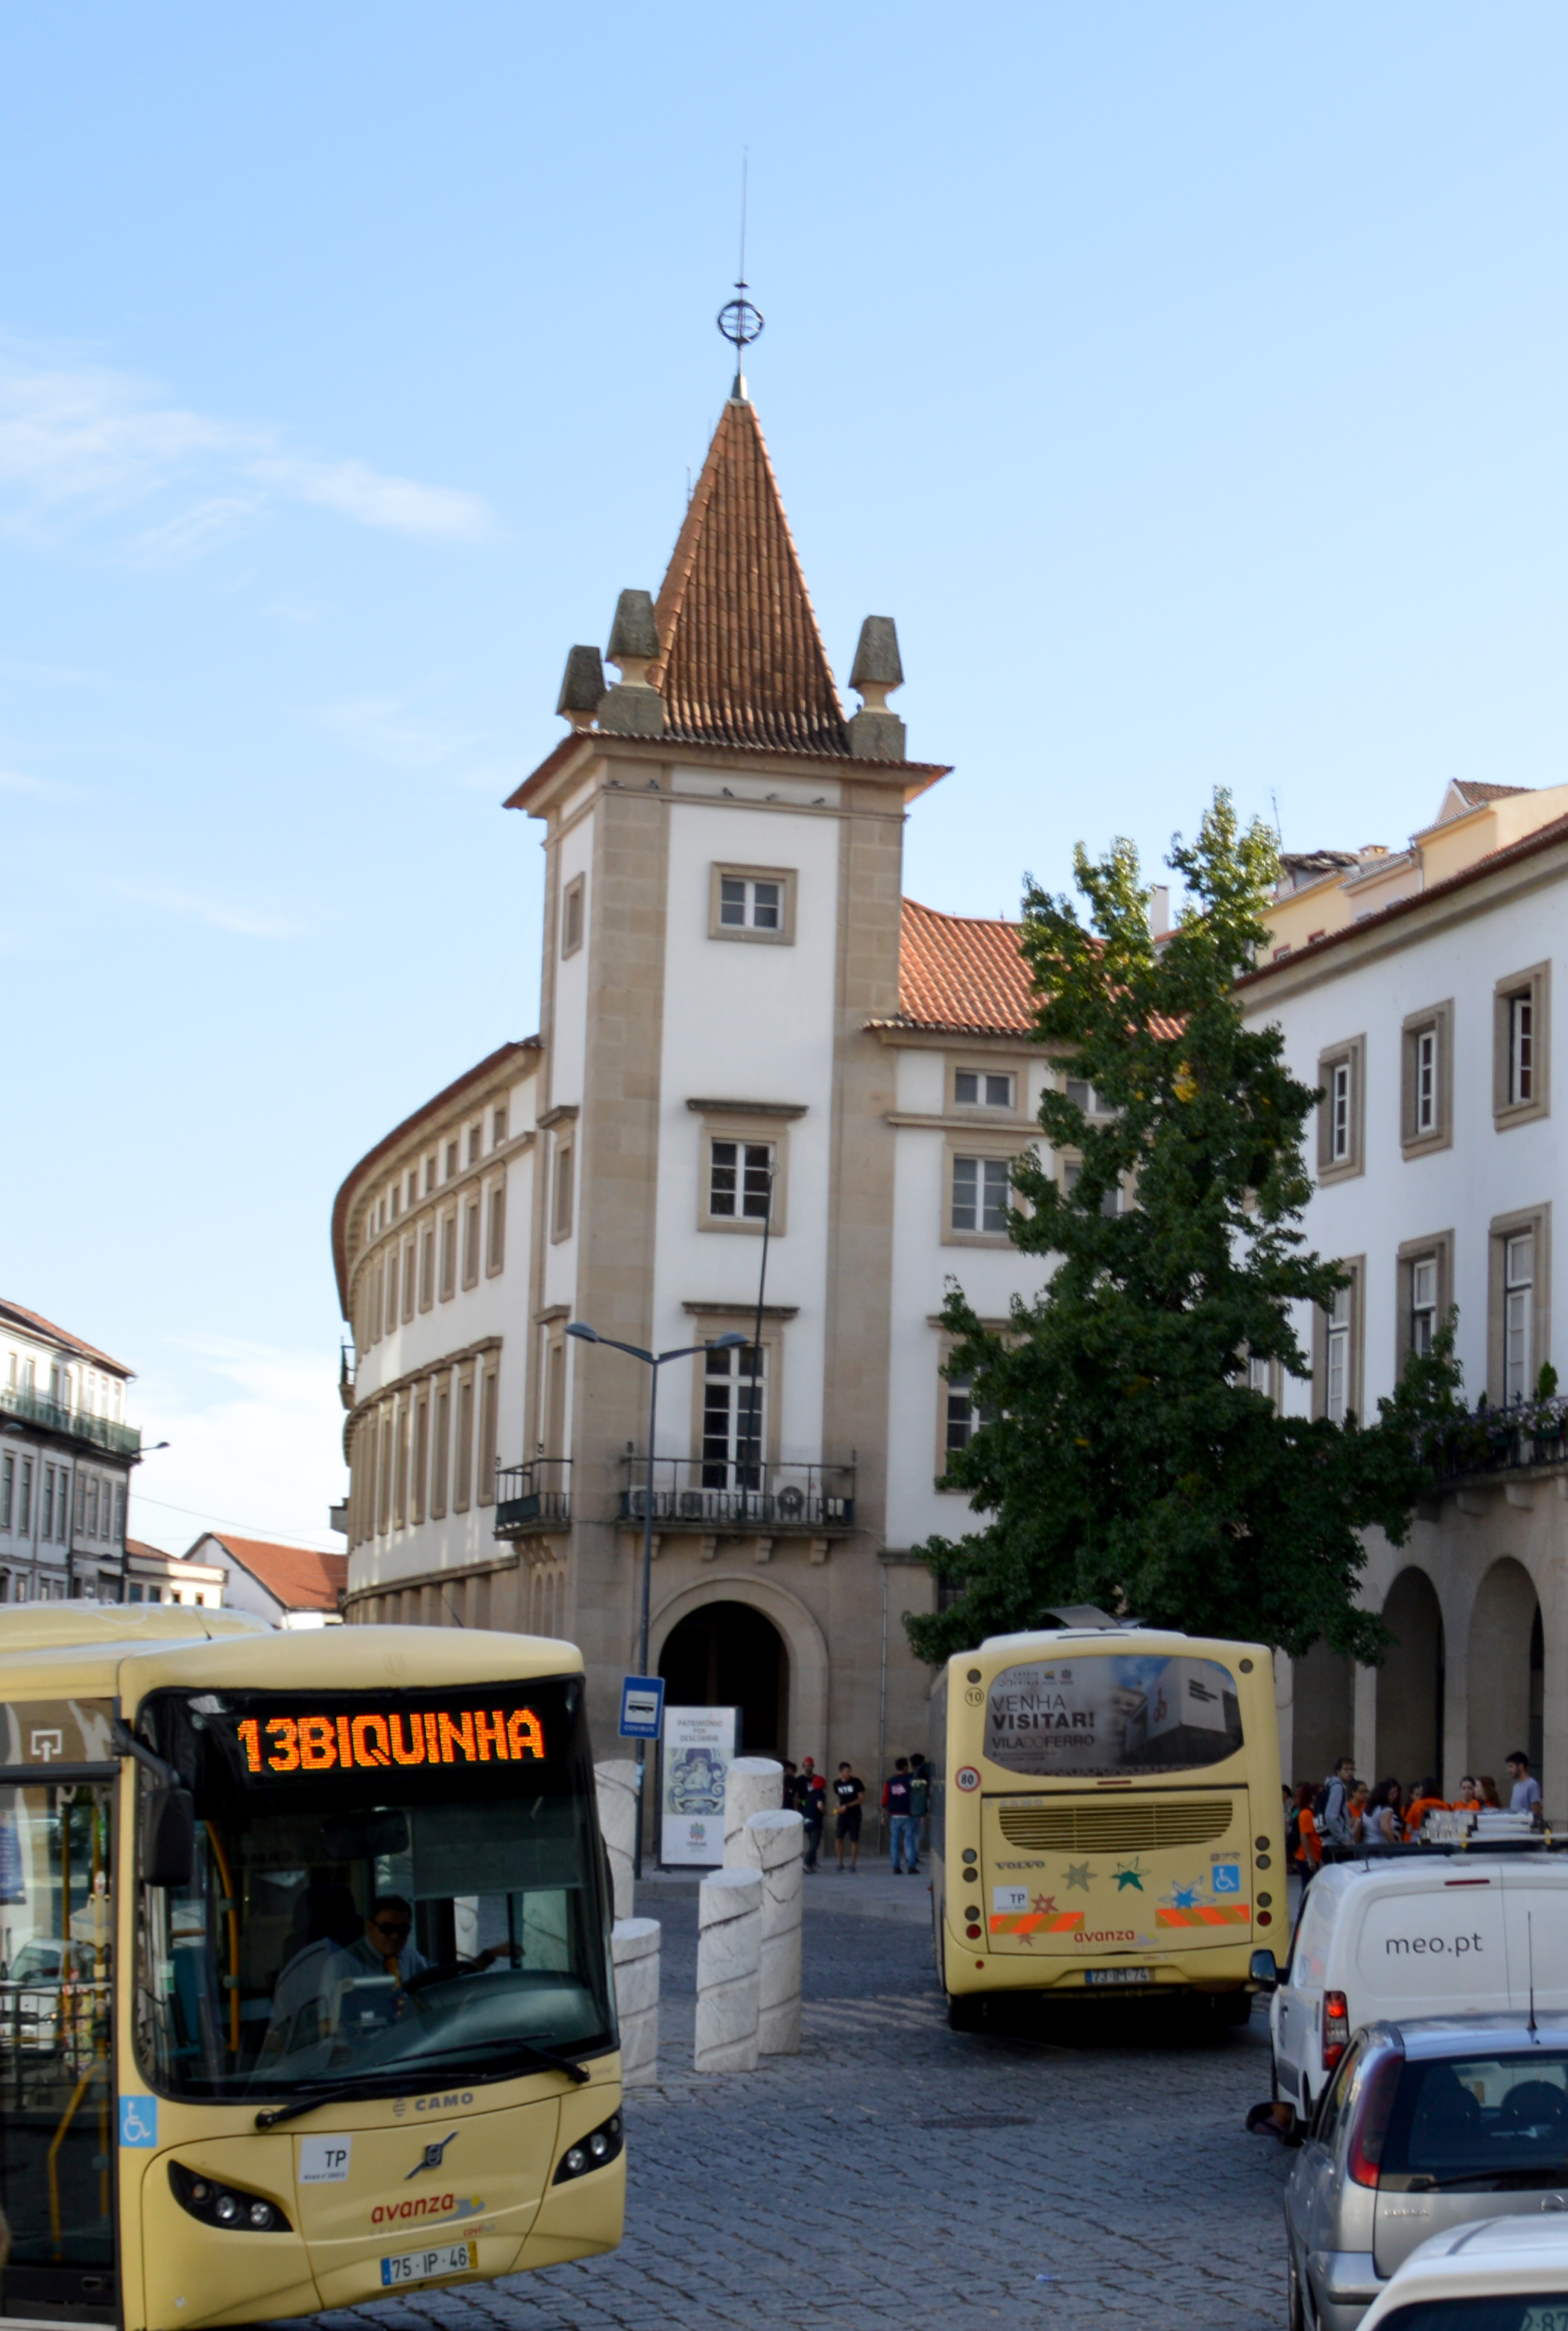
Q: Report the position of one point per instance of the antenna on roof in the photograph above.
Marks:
(739, 320)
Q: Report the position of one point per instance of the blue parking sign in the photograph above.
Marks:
(642, 1708)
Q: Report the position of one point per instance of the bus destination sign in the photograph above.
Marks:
(373, 1737)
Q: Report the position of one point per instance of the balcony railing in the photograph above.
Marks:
(703, 1496)
(1502, 1439)
(533, 1496)
(36, 1408)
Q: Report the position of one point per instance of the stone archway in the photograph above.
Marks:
(731, 1655)
(1410, 1684)
(804, 1647)
(1505, 1677)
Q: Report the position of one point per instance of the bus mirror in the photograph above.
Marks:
(168, 1837)
(1263, 1970)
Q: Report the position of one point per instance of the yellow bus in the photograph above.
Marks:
(305, 1982)
(1106, 1817)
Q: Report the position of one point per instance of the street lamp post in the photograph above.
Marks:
(653, 1362)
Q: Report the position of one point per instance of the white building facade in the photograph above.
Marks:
(1427, 1019)
(745, 1029)
(66, 1454)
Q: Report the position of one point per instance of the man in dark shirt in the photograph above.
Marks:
(903, 1830)
(850, 1795)
(812, 1803)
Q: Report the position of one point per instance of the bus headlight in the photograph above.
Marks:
(594, 2151)
(228, 2206)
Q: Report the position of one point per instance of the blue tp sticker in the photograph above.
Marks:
(1227, 1877)
(139, 2121)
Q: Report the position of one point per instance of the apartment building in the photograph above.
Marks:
(66, 1454)
(1415, 989)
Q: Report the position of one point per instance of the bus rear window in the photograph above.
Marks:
(1108, 1713)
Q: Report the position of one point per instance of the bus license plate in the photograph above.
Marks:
(1118, 1974)
(419, 2266)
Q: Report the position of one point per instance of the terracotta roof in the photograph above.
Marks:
(1477, 793)
(40, 1325)
(743, 661)
(295, 1576)
(964, 973)
(1545, 837)
(499, 1058)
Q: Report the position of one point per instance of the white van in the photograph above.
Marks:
(1438, 1934)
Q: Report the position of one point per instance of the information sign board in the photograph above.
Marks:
(699, 1749)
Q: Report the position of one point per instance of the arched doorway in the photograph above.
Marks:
(730, 1655)
(1505, 1682)
(1410, 1684)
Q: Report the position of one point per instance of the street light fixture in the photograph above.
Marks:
(653, 1362)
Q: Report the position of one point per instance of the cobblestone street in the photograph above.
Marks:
(899, 2173)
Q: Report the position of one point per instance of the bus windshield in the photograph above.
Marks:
(391, 1891)
(1110, 1713)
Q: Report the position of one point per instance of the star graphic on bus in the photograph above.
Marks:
(1128, 1874)
(1184, 1897)
(1078, 1875)
(1045, 1904)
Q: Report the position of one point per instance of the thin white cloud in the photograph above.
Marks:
(390, 729)
(254, 1435)
(217, 912)
(84, 444)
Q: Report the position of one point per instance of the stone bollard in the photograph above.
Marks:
(773, 1845)
(728, 1961)
(618, 1811)
(634, 1947)
(752, 1784)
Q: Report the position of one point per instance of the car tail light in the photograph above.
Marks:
(1379, 2079)
(1335, 2028)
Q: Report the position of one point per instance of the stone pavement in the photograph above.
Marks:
(1067, 2171)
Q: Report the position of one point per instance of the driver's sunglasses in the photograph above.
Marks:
(391, 1926)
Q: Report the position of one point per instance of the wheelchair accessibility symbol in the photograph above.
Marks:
(138, 2120)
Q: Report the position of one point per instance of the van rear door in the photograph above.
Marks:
(1536, 1920)
(1432, 1948)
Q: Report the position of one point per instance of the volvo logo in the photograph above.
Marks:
(432, 2157)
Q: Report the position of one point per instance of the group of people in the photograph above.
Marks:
(1344, 1811)
(906, 1801)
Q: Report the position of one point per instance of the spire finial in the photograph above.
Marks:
(739, 320)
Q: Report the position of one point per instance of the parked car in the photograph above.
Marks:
(1424, 1934)
(1485, 2277)
(1426, 2124)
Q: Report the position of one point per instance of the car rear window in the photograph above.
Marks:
(1539, 2310)
(1482, 2122)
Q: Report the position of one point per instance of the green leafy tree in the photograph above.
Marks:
(1122, 1457)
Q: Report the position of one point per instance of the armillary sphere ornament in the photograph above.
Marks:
(739, 321)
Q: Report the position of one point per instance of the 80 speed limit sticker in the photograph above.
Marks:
(967, 1778)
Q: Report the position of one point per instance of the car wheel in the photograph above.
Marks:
(965, 2011)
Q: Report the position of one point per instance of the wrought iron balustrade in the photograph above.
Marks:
(537, 1496)
(710, 1495)
(1501, 1440)
(37, 1408)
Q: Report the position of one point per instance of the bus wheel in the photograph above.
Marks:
(965, 2011)
(1233, 2009)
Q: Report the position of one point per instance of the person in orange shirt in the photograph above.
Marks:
(1309, 1845)
(1468, 1800)
(1425, 1800)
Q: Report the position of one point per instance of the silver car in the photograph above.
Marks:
(1428, 2124)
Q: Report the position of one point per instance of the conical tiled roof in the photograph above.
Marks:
(743, 661)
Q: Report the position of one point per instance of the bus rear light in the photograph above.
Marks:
(973, 1932)
(1379, 2077)
(1335, 2028)
(228, 2206)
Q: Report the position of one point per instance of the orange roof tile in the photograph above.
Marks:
(61, 1335)
(296, 1576)
(964, 973)
(743, 661)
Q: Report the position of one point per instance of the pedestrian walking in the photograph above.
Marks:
(812, 1803)
(920, 1802)
(903, 1830)
(1527, 1793)
(1308, 1846)
(849, 1796)
(1332, 1809)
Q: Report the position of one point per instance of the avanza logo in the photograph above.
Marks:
(426, 2205)
(1107, 1935)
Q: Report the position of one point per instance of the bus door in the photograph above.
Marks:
(57, 2140)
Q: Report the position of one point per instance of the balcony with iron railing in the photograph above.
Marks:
(698, 1494)
(537, 1496)
(98, 1431)
(1522, 1437)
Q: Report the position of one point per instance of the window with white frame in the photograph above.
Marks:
(981, 1196)
(749, 903)
(7, 1489)
(734, 1417)
(1336, 1373)
(1082, 1095)
(1518, 1313)
(963, 1415)
(983, 1089)
(1521, 1057)
(1423, 1303)
(1424, 1113)
(1341, 1102)
(1521, 1085)
(1072, 1173)
(739, 1180)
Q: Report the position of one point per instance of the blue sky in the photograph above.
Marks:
(1187, 381)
